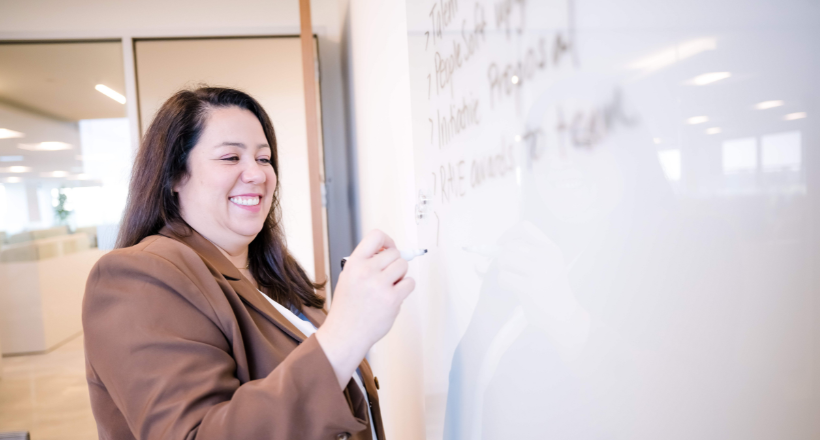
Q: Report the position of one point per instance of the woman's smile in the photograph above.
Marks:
(251, 202)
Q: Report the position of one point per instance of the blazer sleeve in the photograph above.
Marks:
(153, 342)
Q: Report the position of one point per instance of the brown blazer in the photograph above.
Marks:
(179, 345)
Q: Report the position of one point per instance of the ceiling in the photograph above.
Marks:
(45, 88)
(58, 79)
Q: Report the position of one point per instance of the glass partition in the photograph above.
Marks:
(65, 159)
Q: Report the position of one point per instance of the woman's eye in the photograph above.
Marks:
(231, 158)
(264, 160)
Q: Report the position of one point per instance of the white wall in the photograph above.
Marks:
(41, 301)
(94, 16)
(380, 99)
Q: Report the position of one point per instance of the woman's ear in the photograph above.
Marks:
(179, 184)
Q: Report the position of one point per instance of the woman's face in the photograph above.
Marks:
(230, 184)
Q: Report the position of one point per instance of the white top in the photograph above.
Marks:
(307, 328)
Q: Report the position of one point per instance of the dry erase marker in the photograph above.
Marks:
(407, 255)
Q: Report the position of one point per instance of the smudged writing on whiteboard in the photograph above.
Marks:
(442, 14)
(460, 118)
(503, 15)
(492, 165)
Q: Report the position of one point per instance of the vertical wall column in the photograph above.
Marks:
(314, 157)
(380, 94)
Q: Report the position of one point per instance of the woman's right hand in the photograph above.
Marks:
(366, 301)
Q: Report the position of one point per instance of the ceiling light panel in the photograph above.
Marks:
(673, 54)
(708, 78)
(109, 92)
(55, 174)
(46, 146)
(5, 133)
(768, 104)
(15, 169)
(793, 116)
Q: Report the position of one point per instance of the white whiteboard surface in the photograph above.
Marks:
(622, 217)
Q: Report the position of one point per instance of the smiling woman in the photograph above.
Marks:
(201, 324)
(185, 187)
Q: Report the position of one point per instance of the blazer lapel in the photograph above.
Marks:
(373, 395)
(314, 315)
(214, 258)
(249, 293)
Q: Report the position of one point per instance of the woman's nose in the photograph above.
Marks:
(253, 173)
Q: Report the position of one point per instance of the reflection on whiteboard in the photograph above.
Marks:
(617, 215)
(740, 155)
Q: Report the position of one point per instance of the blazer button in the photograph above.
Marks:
(376, 379)
(343, 436)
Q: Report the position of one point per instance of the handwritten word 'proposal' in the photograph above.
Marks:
(508, 80)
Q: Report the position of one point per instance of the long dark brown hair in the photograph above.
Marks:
(162, 161)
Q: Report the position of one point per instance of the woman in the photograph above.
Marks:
(201, 325)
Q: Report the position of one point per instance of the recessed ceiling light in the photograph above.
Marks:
(107, 91)
(657, 141)
(5, 133)
(13, 179)
(768, 104)
(697, 120)
(45, 146)
(81, 176)
(15, 169)
(793, 116)
(713, 130)
(55, 174)
(708, 78)
(11, 158)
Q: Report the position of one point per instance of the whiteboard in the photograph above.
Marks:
(617, 196)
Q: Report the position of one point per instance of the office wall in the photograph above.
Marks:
(380, 101)
(94, 16)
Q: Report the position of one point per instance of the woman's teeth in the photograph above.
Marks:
(247, 201)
